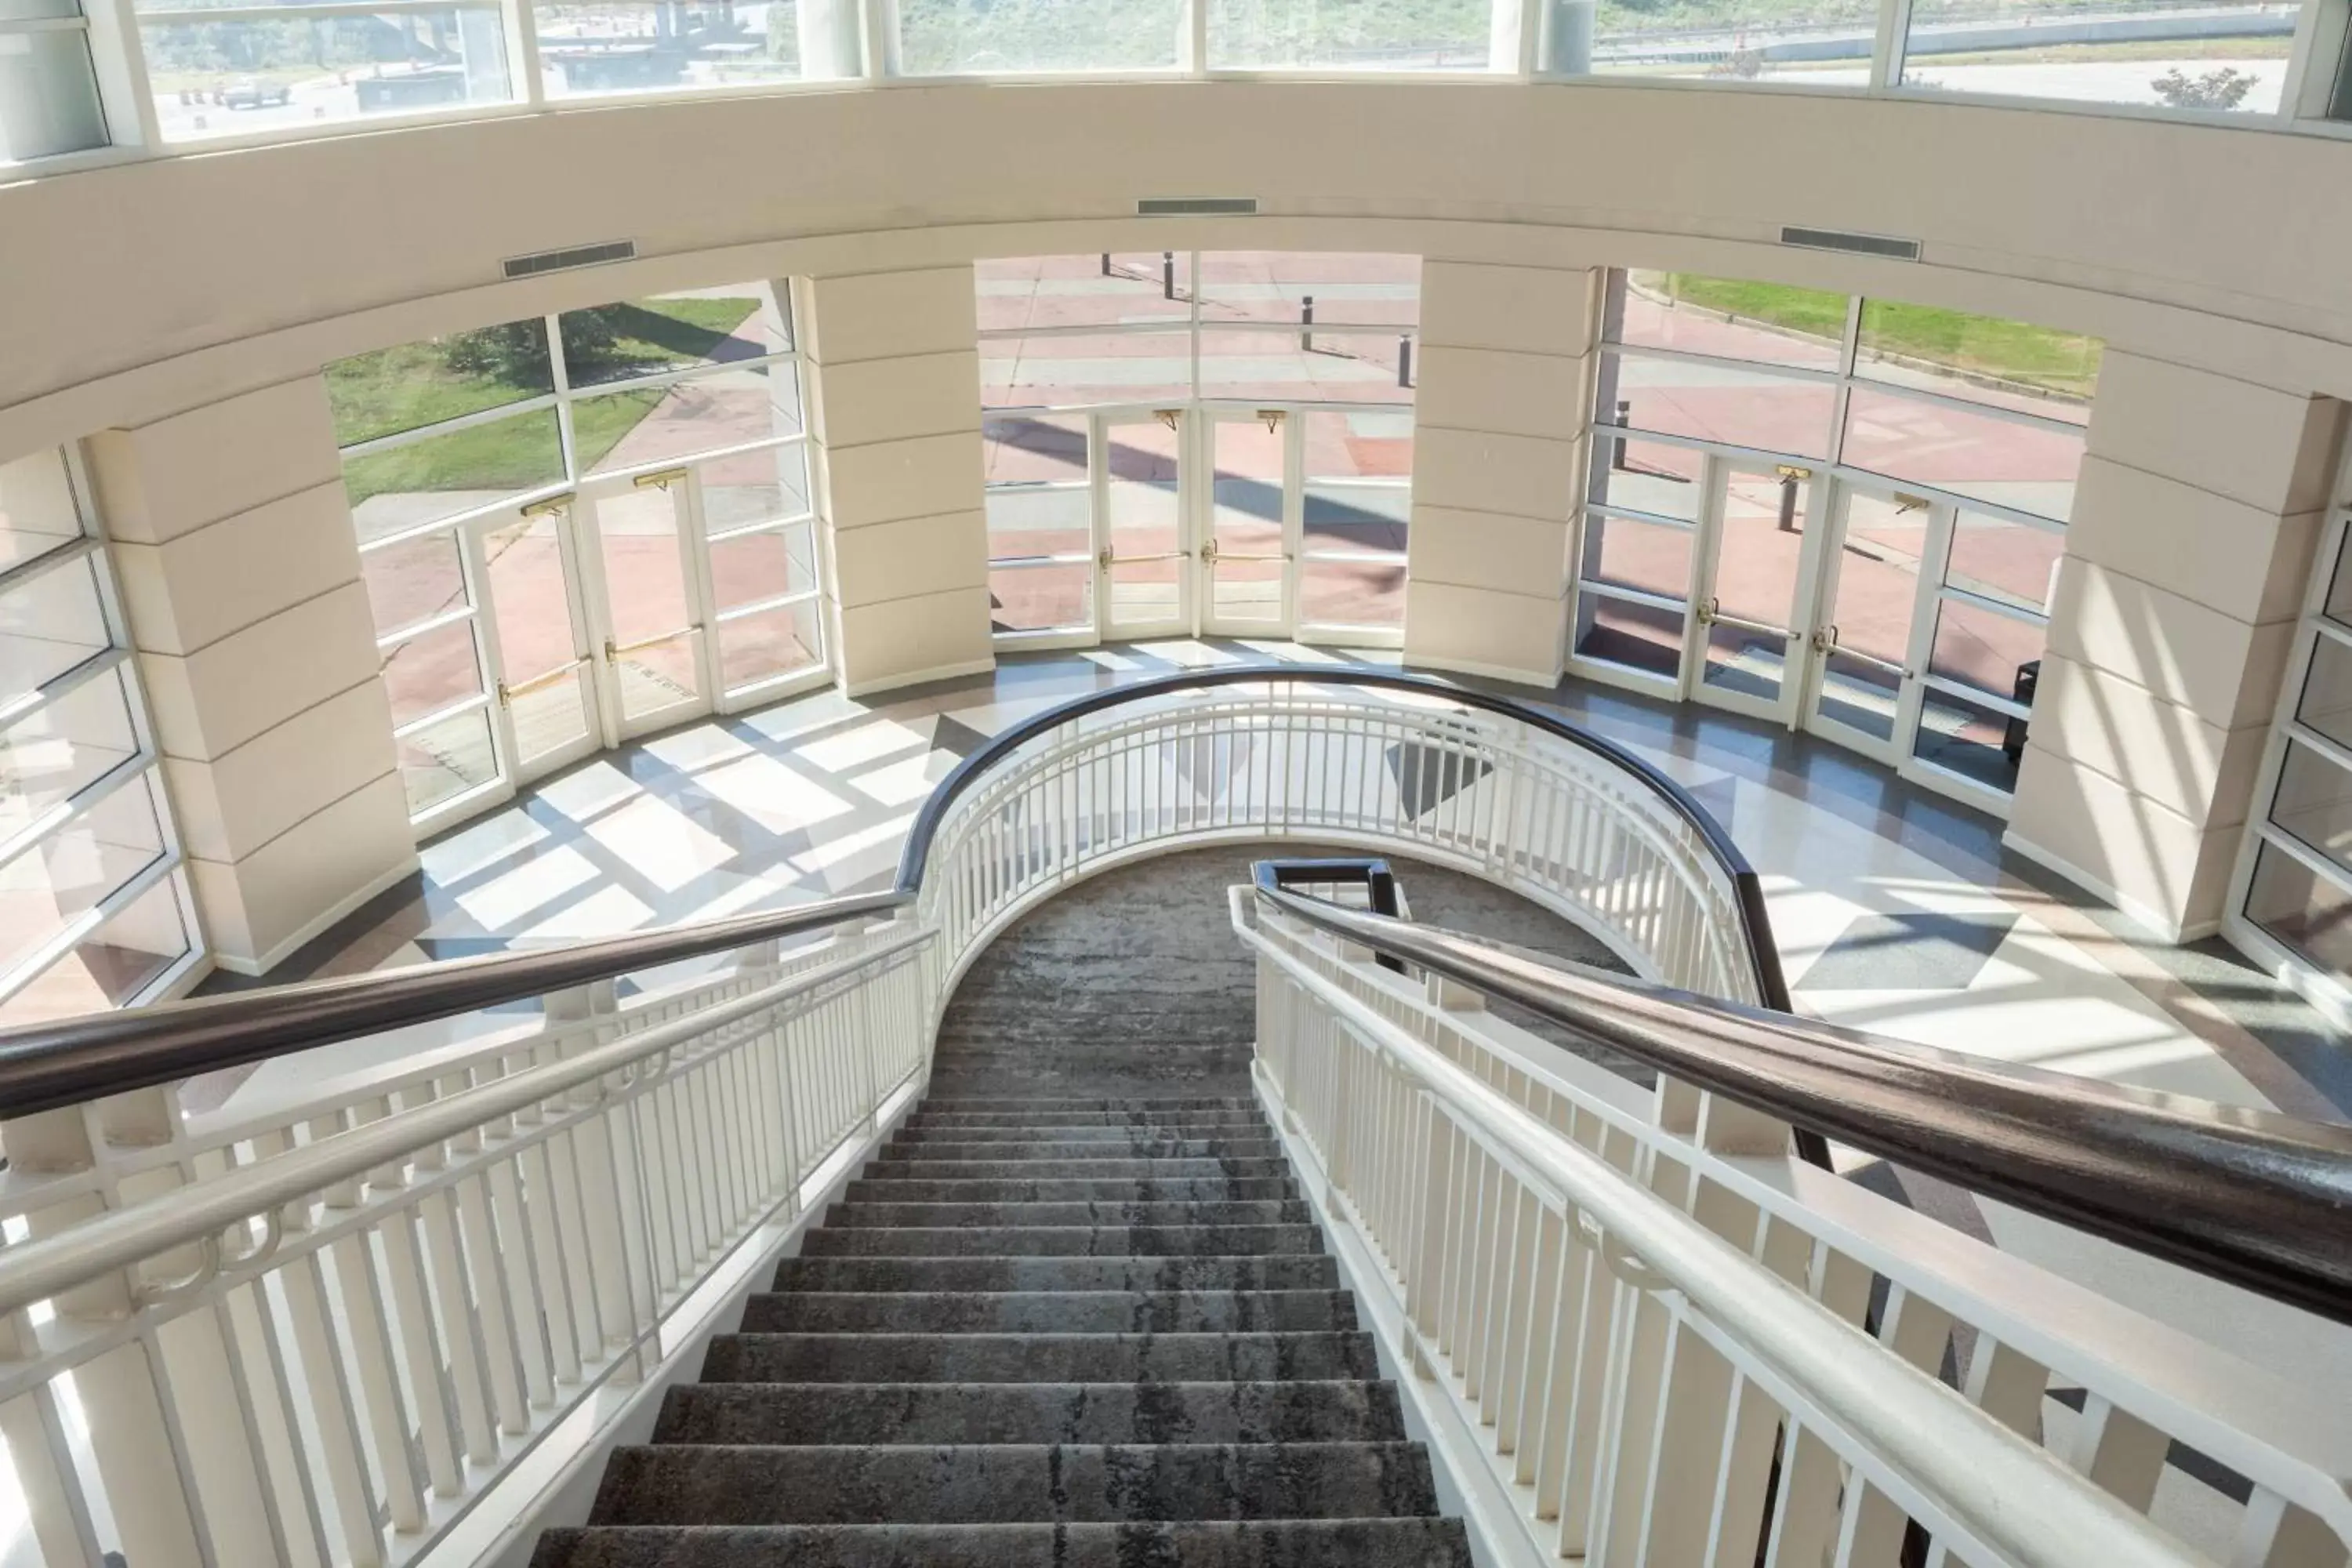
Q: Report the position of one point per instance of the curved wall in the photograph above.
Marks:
(137, 289)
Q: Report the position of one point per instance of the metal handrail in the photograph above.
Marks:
(2253, 1197)
(45, 1067)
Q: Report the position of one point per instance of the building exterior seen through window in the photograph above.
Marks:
(2291, 903)
(94, 906)
(1839, 514)
(1185, 442)
(575, 528)
(290, 69)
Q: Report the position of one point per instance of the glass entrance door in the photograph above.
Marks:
(650, 658)
(539, 645)
(1863, 687)
(1248, 535)
(1751, 569)
(1142, 554)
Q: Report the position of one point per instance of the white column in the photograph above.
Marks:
(1506, 372)
(893, 371)
(231, 537)
(2185, 567)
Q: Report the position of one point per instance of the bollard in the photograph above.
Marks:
(1788, 503)
(1106, 263)
(1404, 360)
(1617, 451)
(1307, 323)
(1168, 274)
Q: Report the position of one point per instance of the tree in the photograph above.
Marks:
(2223, 88)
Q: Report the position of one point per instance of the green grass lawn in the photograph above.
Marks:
(2058, 361)
(414, 385)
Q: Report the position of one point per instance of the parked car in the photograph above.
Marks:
(252, 92)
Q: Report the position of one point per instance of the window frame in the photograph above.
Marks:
(143, 768)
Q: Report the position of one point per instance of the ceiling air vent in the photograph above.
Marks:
(1854, 244)
(575, 256)
(1194, 206)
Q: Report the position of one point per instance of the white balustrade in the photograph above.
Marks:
(1651, 1348)
(322, 1324)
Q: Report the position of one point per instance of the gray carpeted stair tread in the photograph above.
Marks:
(1012, 1483)
(1263, 1411)
(1073, 1189)
(1122, 1144)
(1272, 1271)
(876, 1357)
(1049, 1312)
(1129, 1167)
(1199, 1117)
(1410, 1543)
(938, 1100)
(1028, 1215)
(1063, 1240)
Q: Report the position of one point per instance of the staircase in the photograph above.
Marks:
(1085, 1331)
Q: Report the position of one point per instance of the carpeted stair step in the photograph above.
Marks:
(1038, 1358)
(1298, 1411)
(1078, 1190)
(1012, 1483)
(1197, 1118)
(1062, 1241)
(1029, 1215)
(1092, 1167)
(1280, 1271)
(1080, 1138)
(1122, 1145)
(1412, 1542)
(939, 1101)
(1049, 1312)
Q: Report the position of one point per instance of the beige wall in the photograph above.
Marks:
(894, 448)
(2186, 564)
(1506, 372)
(240, 580)
(138, 289)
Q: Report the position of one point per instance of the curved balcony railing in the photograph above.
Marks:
(1574, 820)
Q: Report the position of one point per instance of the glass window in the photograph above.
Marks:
(1024, 522)
(753, 568)
(666, 332)
(1644, 639)
(431, 671)
(80, 809)
(37, 514)
(442, 761)
(1354, 35)
(1306, 367)
(1980, 359)
(2001, 559)
(49, 624)
(49, 92)
(757, 486)
(2314, 802)
(460, 470)
(1366, 593)
(1034, 449)
(284, 70)
(639, 427)
(2306, 913)
(1078, 370)
(2325, 704)
(1728, 318)
(1645, 476)
(1992, 651)
(1310, 287)
(1814, 43)
(1052, 597)
(596, 47)
(1717, 403)
(2026, 468)
(2214, 59)
(1026, 293)
(768, 645)
(1980, 744)
(416, 384)
(1649, 557)
(955, 38)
